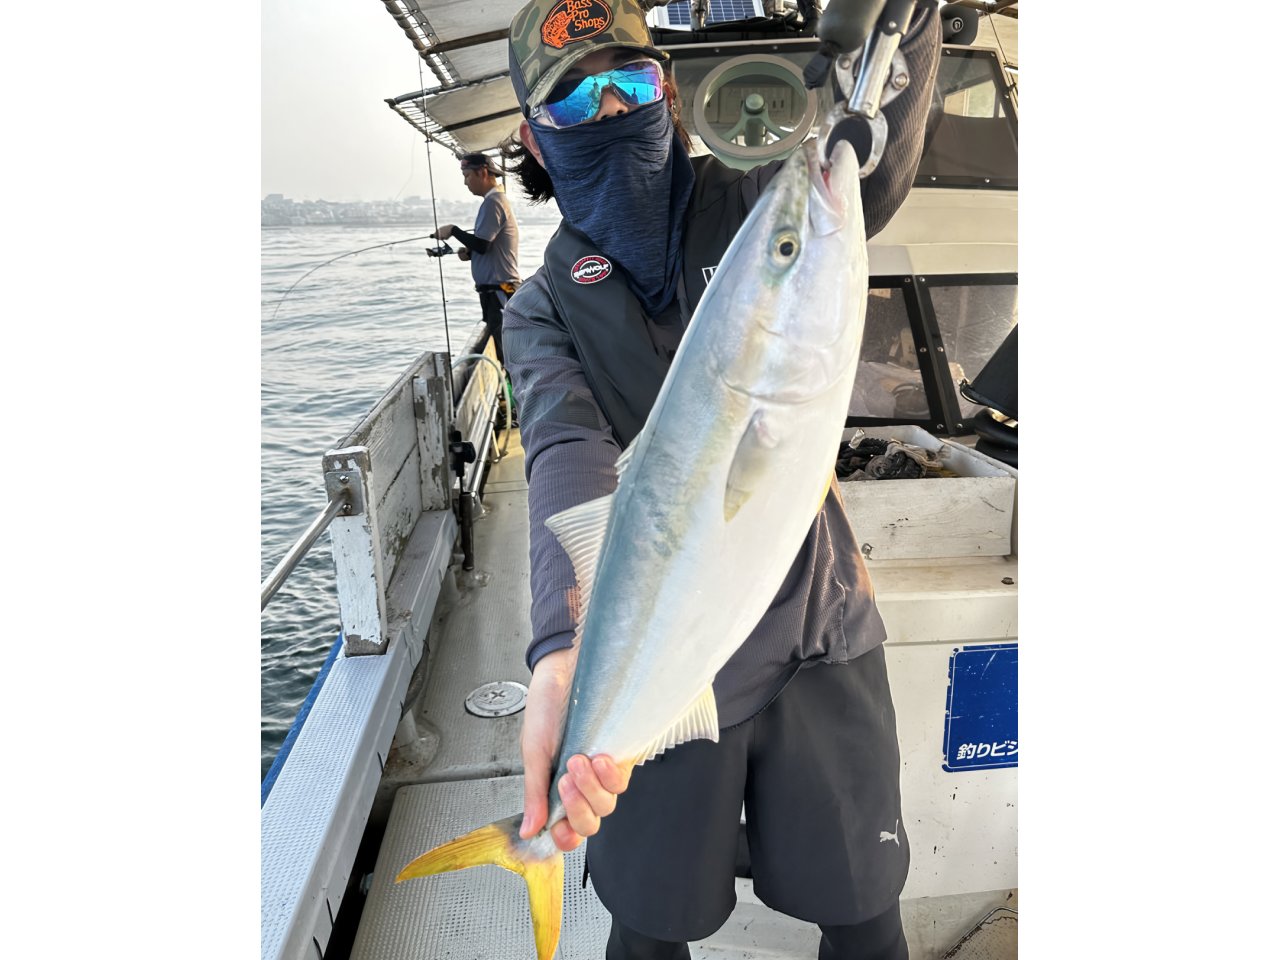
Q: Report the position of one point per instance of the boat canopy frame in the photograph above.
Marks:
(478, 113)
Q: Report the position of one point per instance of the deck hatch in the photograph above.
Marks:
(501, 698)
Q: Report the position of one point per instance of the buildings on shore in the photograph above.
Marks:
(280, 211)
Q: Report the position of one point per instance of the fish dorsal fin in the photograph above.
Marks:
(581, 531)
(699, 722)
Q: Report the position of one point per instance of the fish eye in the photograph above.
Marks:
(786, 247)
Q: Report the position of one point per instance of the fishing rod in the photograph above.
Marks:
(444, 301)
(390, 243)
(435, 221)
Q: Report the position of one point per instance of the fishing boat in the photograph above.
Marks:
(410, 735)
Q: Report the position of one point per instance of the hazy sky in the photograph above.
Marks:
(327, 68)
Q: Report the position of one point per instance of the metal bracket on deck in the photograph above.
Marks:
(344, 483)
(357, 552)
(433, 410)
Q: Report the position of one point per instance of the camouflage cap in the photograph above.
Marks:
(550, 36)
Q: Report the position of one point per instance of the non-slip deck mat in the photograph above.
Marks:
(481, 913)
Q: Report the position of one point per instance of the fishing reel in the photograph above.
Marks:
(443, 250)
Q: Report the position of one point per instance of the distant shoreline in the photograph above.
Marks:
(550, 215)
(361, 222)
(281, 211)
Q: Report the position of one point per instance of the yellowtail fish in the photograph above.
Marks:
(678, 565)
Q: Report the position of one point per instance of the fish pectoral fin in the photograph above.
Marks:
(700, 722)
(500, 843)
(747, 471)
(581, 531)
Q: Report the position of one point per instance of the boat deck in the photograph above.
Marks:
(450, 771)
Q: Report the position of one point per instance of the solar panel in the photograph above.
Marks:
(676, 14)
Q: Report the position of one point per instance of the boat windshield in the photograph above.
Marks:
(972, 136)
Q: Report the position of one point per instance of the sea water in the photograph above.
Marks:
(330, 349)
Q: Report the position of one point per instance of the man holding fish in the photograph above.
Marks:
(705, 639)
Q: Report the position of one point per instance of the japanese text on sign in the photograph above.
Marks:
(981, 730)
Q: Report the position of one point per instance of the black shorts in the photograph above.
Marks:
(817, 771)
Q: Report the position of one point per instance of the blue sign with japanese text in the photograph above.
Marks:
(981, 730)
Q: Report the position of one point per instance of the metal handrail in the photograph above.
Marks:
(290, 561)
(299, 550)
(493, 408)
(483, 453)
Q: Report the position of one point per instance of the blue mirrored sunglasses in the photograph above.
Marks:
(577, 101)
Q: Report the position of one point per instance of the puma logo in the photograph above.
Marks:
(886, 836)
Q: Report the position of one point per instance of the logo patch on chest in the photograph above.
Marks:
(590, 269)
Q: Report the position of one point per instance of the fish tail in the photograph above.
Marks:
(538, 860)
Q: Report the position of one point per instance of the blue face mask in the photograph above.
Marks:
(610, 178)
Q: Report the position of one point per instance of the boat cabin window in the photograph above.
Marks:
(923, 337)
(973, 321)
(888, 385)
(971, 137)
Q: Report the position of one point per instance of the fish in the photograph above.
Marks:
(715, 497)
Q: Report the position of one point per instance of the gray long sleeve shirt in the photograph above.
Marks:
(496, 225)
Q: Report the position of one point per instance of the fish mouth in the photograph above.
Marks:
(829, 185)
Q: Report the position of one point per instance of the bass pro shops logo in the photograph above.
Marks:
(591, 270)
(573, 20)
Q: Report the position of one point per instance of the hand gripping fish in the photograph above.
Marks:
(678, 565)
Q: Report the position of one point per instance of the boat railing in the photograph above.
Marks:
(270, 586)
(390, 485)
(348, 484)
(469, 456)
(396, 464)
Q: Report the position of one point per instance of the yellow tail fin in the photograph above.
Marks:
(538, 860)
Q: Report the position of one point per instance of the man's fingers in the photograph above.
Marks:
(577, 808)
(535, 813)
(540, 739)
(564, 836)
(537, 777)
(601, 799)
(613, 777)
